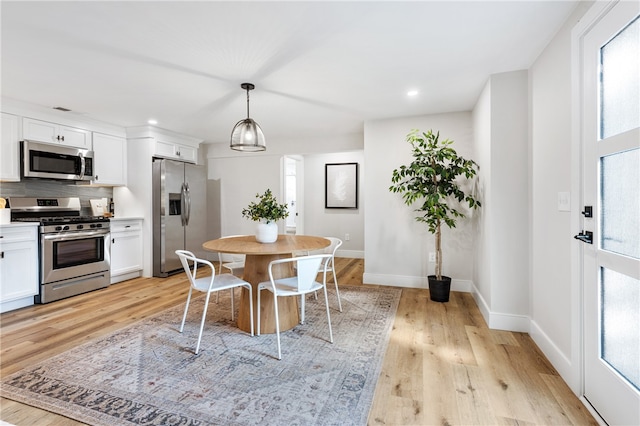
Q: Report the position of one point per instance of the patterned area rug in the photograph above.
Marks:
(148, 374)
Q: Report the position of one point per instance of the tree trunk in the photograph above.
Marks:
(438, 253)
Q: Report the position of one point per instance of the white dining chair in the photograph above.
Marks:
(331, 249)
(209, 284)
(330, 263)
(233, 263)
(301, 283)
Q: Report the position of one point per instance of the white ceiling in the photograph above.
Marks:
(320, 68)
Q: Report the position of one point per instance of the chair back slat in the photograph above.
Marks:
(332, 248)
(192, 270)
(307, 269)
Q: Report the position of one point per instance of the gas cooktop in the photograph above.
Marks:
(52, 211)
(60, 220)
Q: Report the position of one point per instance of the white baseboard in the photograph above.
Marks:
(552, 352)
(350, 254)
(482, 305)
(501, 321)
(16, 304)
(412, 282)
(125, 277)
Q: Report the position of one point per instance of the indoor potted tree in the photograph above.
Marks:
(435, 178)
(266, 211)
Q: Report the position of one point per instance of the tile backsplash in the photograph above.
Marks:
(55, 188)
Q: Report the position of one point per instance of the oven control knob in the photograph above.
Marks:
(93, 225)
(79, 227)
(65, 228)
(58, 228)
(98, 225)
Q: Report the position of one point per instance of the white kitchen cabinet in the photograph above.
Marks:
(44, 131)
(109, 159)
(176, 151)
(18, 266)
(10, 148)
(126, 249)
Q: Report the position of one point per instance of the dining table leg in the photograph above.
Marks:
(256, 270)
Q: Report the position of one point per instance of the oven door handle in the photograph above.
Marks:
(67, 236)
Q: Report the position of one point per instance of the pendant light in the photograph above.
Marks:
(246, 134)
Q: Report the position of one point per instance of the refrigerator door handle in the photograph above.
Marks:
(187, 202)
(183, 205)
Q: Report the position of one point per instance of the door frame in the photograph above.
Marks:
(299, 161)
(591, 18)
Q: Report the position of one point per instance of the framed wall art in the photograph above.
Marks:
(341, 186)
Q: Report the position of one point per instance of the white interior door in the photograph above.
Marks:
(294, 194)
(611, 183)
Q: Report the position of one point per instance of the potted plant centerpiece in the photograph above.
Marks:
(266, 211)
(435, 178)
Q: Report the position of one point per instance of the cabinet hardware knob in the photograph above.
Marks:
(113, 241)
(2, 255)
(63, 138)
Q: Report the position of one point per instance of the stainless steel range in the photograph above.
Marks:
(75, 250)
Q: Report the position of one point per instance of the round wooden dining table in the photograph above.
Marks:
(256, 270)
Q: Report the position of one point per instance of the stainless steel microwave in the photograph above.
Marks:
(41, 160)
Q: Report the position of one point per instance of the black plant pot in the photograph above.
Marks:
(439, 289)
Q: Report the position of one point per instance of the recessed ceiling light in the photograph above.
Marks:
(412, 93)
(152, 121)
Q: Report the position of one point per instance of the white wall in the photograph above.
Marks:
(554, 322)
(482, 155)
(510, 194)
(501, 130)
(235, 180)
(396, 245)
(334, 222)
(239, 179)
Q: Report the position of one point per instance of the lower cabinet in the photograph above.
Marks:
(126, 249)
(19, 279)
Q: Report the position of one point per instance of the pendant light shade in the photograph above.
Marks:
(247, 134)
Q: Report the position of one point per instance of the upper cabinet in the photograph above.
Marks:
(44, 131)
(9, 146)
(110, 160)
(176, 151)
(165, 143)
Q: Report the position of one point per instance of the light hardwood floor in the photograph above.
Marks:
(443, 366)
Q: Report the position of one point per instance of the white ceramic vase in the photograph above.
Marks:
(267, 232)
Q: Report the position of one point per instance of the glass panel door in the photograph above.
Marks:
(611, 165)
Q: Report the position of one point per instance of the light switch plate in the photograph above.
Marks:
(564, 201)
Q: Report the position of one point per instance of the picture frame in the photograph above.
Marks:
(341, 185)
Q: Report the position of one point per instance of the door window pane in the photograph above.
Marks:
(620, 88)
(620, 203)
(620, 338)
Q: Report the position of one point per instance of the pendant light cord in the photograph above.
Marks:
(247, 102)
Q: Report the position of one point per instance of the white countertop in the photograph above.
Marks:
(19, 224)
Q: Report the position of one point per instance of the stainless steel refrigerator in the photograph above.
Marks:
(179, 213)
